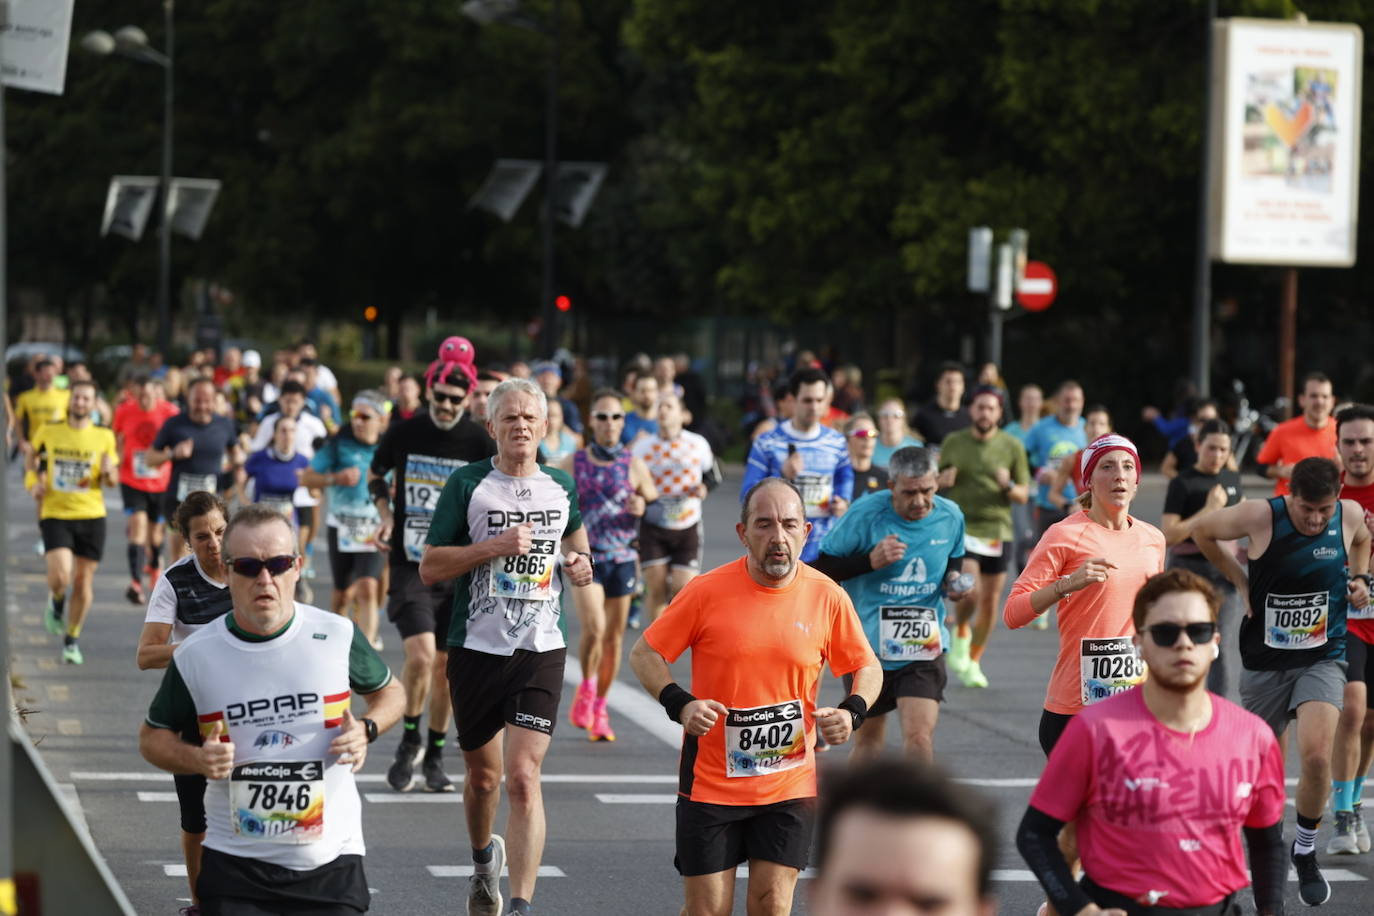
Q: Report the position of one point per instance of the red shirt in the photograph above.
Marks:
(1292, 441)
(1161, 810)
(1362, 627)
(137, 428)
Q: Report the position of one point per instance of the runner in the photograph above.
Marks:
(136, 423)
(1161, 780)
(861, 438)
(946, 412)
(747, 785)
(477, 404)
(983, 470)
(197, 443)
(1310, 435)
(893, 433)
(814, 457)
(192, 593)
(1354, 746)
(71, 460)
(498, 532)
(899, 554)
(1195, 492)
(40, 405)
(670, 534)
(284, 835)
(613, 489)
(1029, 402)
(1064, 483)
(643, 419)
(422, 453)
(560, 442)
(310, 428)
(1292, 641)
(355, 560)
(1049, 442)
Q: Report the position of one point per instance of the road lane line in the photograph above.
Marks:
(466, 871)
(630, 701)
(566, 778)
(642, 799)
(426, 798)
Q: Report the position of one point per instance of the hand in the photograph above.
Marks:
(217, 753)
(383, 536)
(636, 505)
(183, 449)
(793, 466)
(1284, 471)
(578, 568)
(1056, 498)
(700, 716)
(835, 725)
(838, 506)
(39, 488)
(1003, 478)
(1358, 593)
(886, 552)
(514, 542)
(348, 477)
(947, 477)
(1098, 569)
(350, 745)
(1216, 498)
(701, 492)
(952, 595)
(1149, 414)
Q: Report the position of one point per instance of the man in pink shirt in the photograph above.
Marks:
(1161, 779)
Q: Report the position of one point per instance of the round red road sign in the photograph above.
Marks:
(1038, 287)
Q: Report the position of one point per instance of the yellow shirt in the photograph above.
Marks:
(72, 459)
(34, 409)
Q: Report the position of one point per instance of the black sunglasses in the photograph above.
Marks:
(252, 567)
(603, 417)
(439, 397)
(1166, 634)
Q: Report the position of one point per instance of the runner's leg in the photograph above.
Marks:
(770, 889)
(525, 829)
(710, 895)
(918, 717)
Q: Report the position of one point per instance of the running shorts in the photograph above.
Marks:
(136, 500)
(84, 537)
(618, 579)
(347, 568)
(1275, 696)
(680, 548)
(490, 692)
(417, 608)
(925, 680)
(237, 886)
(713, 838)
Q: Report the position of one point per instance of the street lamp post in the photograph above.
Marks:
(131, 42)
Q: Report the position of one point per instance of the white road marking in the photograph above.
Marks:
(157, 796)
(414, 798)
(466, 871)
(175, 870)
(634, 704)
(568, 778)
(640, 799)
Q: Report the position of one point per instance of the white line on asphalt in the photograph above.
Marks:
(429, 798)
(569, 778)
(175, 870)
(643, 799)
(465, 871)
(157, 796)
(634, 704)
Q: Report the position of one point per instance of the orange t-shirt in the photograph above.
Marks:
(1292, 441)
(760, 652)
(1101, 611)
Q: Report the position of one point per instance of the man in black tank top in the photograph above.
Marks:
(1309, 560)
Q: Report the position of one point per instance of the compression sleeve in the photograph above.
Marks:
(841, 568)
(1037, 839)
(1268, 867)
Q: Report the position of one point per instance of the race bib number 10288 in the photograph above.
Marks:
(1108, 667)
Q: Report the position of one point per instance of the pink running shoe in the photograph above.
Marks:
(582, 713)
(601, 728)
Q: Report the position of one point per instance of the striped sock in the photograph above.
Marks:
(1306, 841)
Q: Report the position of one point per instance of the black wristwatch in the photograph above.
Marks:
(1366, 578)
(371, 729)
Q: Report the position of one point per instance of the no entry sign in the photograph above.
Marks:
(1038, 287)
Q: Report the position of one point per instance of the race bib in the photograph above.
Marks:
(908, 634)
(190, 483)
(528, 576)
(413, 534)
(278, 801)
(816, 490)
(282, 505)
(422, 483)
(70, 475)
(983, 547)
(141, 469)
(356, 532)
(674, 510)
(1108, 667)
(1296, 621)
(764, 739)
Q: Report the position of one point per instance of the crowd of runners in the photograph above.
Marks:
(464, 502)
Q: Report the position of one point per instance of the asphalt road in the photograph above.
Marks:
(610, 846)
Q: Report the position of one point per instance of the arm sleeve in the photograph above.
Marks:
(164, 435)
(367, 673)
(1268, 798)
(1268, 868)
(759, 466)
(1037, 839)
(323, 462)
(172, 708)
(574, 510)
(382, 458)
(111, 448)
(162, 604)
(263, 436)
(841, 568)
(1042, 568)
(844, 475)
(1173, 500)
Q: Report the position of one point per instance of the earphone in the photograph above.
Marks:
(1216, 651)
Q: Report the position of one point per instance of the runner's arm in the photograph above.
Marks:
(650, 667)
(841, 568)
(644, 480)
(439, 564)
(153, 649)
(1228, 525)
(1037, 839)
(1360, 538)
(1268, 867)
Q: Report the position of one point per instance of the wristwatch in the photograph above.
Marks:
(371, 729)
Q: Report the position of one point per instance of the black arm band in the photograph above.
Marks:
(954, 565)
(1268, 866)
(1037, 839)
(377, 489)
(856, 706)
(674, 700)
(841, 568)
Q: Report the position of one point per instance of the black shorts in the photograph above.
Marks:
(490, 692)
(713, 838)
(417, 608)
(991, 566)
(136, 500)
(618, 579)
(680, 548)
(1052, 725)
(1359, 660)
(925, 680)
(84, 537)
(191, 801)
(347, 568)
(236, 886)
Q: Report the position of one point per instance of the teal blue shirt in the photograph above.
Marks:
(339, 452)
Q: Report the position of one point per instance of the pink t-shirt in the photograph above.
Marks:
(1161, 810)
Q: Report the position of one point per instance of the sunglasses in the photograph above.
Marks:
(864, 434)
(1166, 634)
(252, 567)
(891, 413)
(363, 416)
(439, 397)
(606, 417)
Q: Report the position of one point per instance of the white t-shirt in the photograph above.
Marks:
(187, 598)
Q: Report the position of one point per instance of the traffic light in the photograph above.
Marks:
(370, 314)
(562, 303)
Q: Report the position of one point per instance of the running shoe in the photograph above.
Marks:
(601, 724)
(191, 910)
(152, 572)
(134, 592)
(436, 780)
(1343, 841)
(958, 657)
(972, 675)
(71, 655)
(1361, 831)
(51, 619)
(1312, 887)
(632, 620)
(484, 888)
(401, 775)
(583, 709)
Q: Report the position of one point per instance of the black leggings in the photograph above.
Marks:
(1052, 725)
(191, 800)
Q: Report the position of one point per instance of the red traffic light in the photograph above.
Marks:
(562, 303)
(370, 314)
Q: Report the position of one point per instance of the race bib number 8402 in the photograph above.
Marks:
(764, 739)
